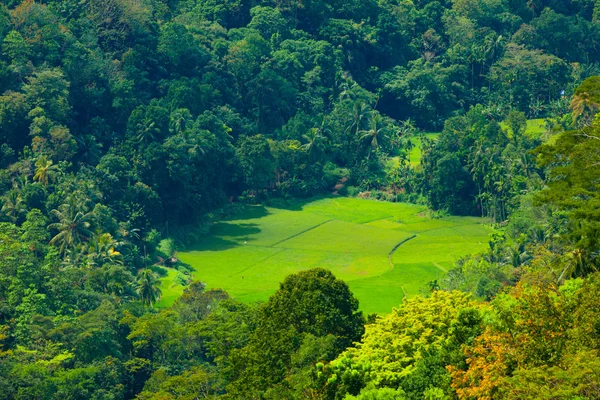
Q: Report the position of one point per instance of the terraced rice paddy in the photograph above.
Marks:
(385, 251)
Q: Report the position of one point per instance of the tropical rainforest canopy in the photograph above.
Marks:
(128, 127)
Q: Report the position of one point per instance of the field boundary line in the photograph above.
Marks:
(439, 267)
(300, 233)
(256, 263)
(311, 250)
(391, 253)
(403, 292)
(375, 220)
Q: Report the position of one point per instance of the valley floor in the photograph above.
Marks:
(384, 251)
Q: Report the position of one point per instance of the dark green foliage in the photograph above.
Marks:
(126, 122)
(475, 167)
(308, 306)
(256, 161)
(573, 189)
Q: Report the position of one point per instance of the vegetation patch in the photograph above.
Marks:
(250, 254)
(415, 154)
(535, 128)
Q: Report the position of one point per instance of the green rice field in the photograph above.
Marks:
(384, 251)
(535, 127)
(415, 154)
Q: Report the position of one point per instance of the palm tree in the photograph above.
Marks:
(477, 162)
(433, 285)
(347, 90)
(314, 139)
(196, 146)
(14, 206)
(539, 234)
(573, 264)
(179, 120)
(45, 170)
(73, 226)
(407, 128)
(409, 148)
(190, 144)
(583, 109)
(323, 128)
(147, 131)
(375, 135)
(516, 255)
(21, 182)
(536, 108)
(102, 250)
(147, 287)
(89, 149)
(359, 111)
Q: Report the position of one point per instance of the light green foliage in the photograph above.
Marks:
(378, 394)
(392, 347)
(535, 128)
(170, 287)
(16, 47)
(187, 386)
(416, 153)
(48, 90)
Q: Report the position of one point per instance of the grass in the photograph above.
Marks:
(415, 154)
(535, 129)
(250, 255)
(171, 290)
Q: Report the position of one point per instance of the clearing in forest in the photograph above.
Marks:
(383, 250)
(536, 128)
(415, 154)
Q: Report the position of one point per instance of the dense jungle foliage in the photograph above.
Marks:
(128, 126)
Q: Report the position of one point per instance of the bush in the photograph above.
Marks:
(182, 279)
(332, 174)
(166, 248)
(158, 270)
(352, 191)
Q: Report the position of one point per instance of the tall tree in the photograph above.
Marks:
(45, 171)
(73, 225)
(148, 287)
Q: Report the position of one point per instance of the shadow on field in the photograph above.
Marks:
(248, 212)
(295, 204)
(234, 230)
(226, 235)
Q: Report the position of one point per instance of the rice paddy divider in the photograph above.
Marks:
(391, 253)
(301, 232)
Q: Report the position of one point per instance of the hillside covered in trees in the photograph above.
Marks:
(129, 127)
